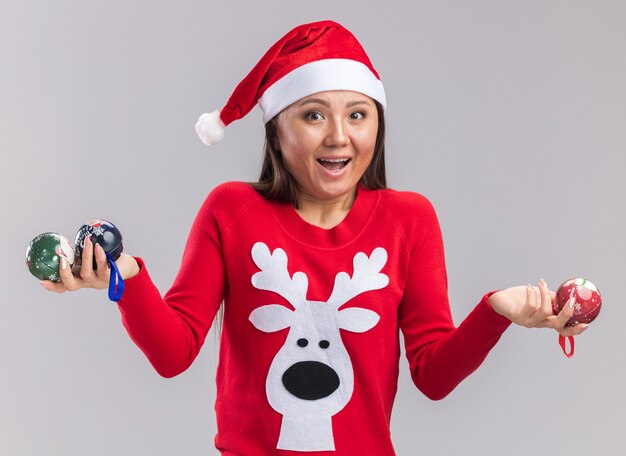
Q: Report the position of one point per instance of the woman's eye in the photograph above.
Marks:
(313, 115)
(358, 115)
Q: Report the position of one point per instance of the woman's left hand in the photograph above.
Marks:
(532, 307)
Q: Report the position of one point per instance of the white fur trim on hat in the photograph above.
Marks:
(210, 128)
(320, 76)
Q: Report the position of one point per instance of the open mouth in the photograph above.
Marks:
(334, 164)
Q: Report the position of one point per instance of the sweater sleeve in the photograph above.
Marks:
(170, 330)
(440, 356)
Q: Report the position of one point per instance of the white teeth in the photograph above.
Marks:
(334, 160)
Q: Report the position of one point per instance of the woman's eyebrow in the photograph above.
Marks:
(314, 100)
(325, 103)
(353, 103)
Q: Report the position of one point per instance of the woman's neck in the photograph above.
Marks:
(325, 213)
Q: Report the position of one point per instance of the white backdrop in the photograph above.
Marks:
(508, 115)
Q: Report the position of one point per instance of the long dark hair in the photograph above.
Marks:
(277, 184)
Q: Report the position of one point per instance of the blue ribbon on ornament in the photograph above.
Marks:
(115, 289)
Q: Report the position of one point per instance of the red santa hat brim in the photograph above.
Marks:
(320, 76)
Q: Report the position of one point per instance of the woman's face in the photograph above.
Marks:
(327, 141)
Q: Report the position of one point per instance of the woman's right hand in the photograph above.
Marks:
(90, 278)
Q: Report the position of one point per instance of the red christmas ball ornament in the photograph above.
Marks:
(588, 300)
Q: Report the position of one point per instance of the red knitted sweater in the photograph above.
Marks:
(309, 349)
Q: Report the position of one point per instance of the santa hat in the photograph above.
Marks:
(310, 58)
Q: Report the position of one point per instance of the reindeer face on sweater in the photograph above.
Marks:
(311, 376)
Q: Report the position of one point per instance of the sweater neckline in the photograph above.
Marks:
(347, 230)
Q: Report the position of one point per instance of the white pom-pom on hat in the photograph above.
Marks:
(210, 128)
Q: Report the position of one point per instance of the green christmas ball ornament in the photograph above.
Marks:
(43, 255)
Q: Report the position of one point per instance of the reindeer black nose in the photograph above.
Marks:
(310, 380)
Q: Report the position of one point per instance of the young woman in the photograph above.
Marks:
(318, 265)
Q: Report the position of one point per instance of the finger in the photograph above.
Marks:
(544, 302)
(531, 298)
(101, 261)
(531, 309)
(574, 330)
(546, 299)
(49, 285)
(86, 268)
(564, 315)
(544, 313)
(68, 281)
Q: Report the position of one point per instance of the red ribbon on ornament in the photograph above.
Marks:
(570, 338)
(571, 344)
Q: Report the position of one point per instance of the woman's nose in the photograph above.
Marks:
(337, 134)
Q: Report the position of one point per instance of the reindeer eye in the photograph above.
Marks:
(302, 342)
(324, 344)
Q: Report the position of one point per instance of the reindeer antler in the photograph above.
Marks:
(274, 275)
(366, 277)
